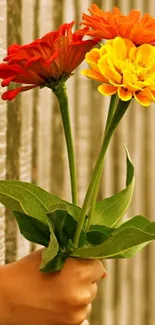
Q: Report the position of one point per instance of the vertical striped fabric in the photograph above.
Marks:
(127, 296)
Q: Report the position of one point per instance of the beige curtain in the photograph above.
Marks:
(127, 296)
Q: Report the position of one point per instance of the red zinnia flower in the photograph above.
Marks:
(108, 25)
(46, 61)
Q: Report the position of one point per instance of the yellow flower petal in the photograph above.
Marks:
(123, 67)
(103, 50)
(119, 48)
(132, 53)
(93, 55)
(124, 94)
(92, 58)
(145, 54)
(129, 77)
(93, 75)
(108, 70)
(107, 90)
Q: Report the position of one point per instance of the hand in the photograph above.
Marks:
(61, 298)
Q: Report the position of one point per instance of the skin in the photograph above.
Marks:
(60, 298)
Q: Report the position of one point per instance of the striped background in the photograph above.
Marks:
(127, 296)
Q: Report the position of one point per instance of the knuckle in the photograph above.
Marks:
(78, 316)
(81, 273)
(86, 298)
(79, 299)
(73, 299)
(75, 318)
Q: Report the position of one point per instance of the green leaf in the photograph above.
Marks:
(150, 227)
(98, 234)
(56, 264)
(50, 252)
(31, 199)
(132, 251)
(58, 216)
(118, 243)
(137, 222)
(110, 210)
(64, 225)
(32, 229)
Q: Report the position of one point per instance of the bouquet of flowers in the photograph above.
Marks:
(124, 66)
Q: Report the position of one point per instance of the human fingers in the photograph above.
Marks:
(93, 291)
(85, 322)
(98, 271)
(77, 315)
(87, 312)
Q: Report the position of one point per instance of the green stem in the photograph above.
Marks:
(61, 95)
(112, 108)
(120, 111)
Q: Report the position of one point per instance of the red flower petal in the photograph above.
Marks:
(6, 82)
(7, 71)
(32, 60)
(11, 94)
(13, 48)
(53, 56)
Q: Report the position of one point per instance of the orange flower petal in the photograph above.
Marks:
(124, 94)
(107, 90)
(134, 15)
(108, 25)
(152, 92)
(143, 100)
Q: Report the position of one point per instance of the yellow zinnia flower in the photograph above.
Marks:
(124, 69)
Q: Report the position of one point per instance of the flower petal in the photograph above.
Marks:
(93, 75)
(7, 71)
(6, 82)
(11, 94)
(124, 94)
(108, 70)
(141, 99)
(108, 25)
(46, 60)
(107, 90)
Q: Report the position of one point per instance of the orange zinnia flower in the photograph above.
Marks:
(129, 72)
(108, 25)
(46, 61)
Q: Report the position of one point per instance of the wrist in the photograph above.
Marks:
(4, 297)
